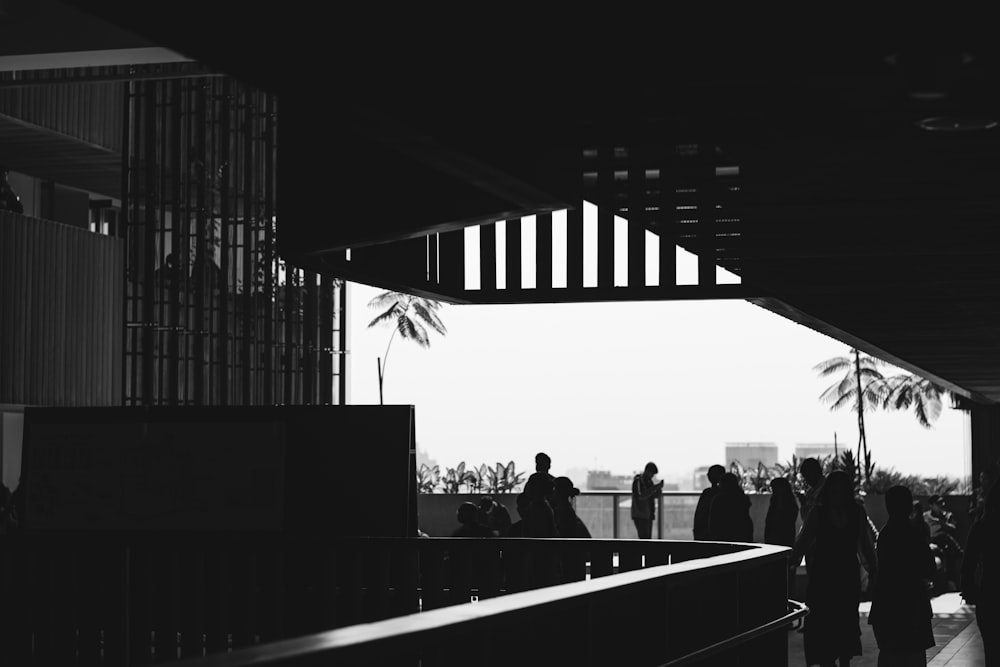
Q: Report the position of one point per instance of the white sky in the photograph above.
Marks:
(613, 385)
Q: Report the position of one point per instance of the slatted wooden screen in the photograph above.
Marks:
(213, 315)
(60, 314)
(676, 200)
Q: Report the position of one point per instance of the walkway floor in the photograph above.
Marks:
(955, 631)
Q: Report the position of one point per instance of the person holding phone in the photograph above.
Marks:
(645, 490)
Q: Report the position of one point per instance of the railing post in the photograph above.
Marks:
(614, 517)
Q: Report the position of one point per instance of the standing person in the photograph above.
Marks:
(901, 611)
(812, 474)
(981, 573)
(714, 474)
(645, 491)
(782, 512)
(729, 516)
(836, 534)
(779, 523)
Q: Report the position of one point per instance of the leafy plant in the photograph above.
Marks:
(849, 466)
(428, 478)
(477, 478)
(754, 480)
(455, 478)
(503, 478)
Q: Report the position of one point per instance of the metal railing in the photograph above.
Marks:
(727, 605)
(135, 599)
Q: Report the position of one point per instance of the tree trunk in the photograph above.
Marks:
(862, 441)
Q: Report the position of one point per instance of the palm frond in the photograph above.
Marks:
(388, 298)
(843, 399)
(413, 330)
(429, 316)
(831, 366)
(384, 317)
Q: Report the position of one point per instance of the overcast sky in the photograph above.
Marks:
(613, 385)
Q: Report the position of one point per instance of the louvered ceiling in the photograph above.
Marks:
(869, 185)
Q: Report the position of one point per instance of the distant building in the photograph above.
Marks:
(815, 451)
(750, 454)
(603, 480)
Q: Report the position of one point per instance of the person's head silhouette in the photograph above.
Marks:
(837, 489)
(811, 471)
(780, 486)
(542, 462)
(898, 502)
(715, 473)
(564, 488)
(730, 483)
(468, 514)
(650, 470)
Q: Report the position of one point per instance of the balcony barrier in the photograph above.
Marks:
(137, 599)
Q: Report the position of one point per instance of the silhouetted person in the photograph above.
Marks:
(494, 516)
(981, 573)
(812, 474)
(782, 513)
(901, 611)
(9, 200)
(729, 516)
(779, 523)
(542, 465)
(714, 474)
(836, 532)
(468, 516)
(539, 519)
(568, 523)
(517, 528)
(645, 491)
(168, 273)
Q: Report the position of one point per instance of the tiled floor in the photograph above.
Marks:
(958, 643)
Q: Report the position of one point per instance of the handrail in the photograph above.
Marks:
(799, 610)
(365, 637)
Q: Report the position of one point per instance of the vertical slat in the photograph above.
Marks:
(636, 217)
(543, 251)
(513, 258)
(605, 248)
(666, 229)
(224, 170)
(606, 218)
(574, 247)
(452, 259)
(488, 257)
(432, 260)
(705, 243)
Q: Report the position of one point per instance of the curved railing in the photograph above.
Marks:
(719, 606)
(142, 598)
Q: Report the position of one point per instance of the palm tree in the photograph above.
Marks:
(408, 315)
(862, 385)
(912, 390)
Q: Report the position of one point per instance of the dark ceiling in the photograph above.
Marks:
(868, 162)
